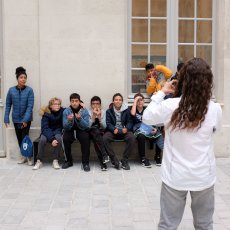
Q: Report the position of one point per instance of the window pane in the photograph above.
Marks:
(140, 8)
(0, 88)
(185, 53)
(158, 30)
(186, 8)
(204, 8)
(139, 55)
(138, 81)
(158, 8)
(204, 52)
(204, 31)
(139, 30)
(158, 54)
(186, 31)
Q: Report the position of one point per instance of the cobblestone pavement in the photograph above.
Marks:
(112, 200)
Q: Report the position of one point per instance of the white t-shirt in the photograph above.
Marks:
(188, 159)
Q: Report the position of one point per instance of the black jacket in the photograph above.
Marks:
(126, 120)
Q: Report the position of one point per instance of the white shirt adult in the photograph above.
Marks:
(188, 158)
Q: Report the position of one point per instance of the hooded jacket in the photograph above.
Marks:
(51, 123)
(126, 120)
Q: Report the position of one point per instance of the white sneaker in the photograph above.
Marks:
(22, 160)
(29, 161)
(56, 164)
(38, 165)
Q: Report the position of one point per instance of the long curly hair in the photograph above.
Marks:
(195, 84)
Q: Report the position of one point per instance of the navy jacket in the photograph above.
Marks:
(22, 101)
(51, 124)
(126, 120)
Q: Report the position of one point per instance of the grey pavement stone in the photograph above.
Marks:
(114, 200)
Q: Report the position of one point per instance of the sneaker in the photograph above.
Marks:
(38, 165)
(86, 167)
(29, 161)
(56, 164)
(104, 167)
(125, 165)
(67, 164)
(145, 163)
(22, 160)
(117, 164)
(105, 159)
(158, 160)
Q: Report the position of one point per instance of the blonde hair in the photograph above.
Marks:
(47, 108)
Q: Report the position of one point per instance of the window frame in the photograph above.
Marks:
(172, 37)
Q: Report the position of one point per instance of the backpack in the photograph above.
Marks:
(26, 147)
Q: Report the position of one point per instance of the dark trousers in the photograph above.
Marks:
(141, 144)
(21, 133)
(110, 137)
(97, 137)
(69, 137)
(56, 150)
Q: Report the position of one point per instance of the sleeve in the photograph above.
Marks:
(84, 121)
(218, 117)
(66, 123)
(109, 124)
(29, 109)
(165, 70)
(8, 107)
(46, 130)
(158, 111)
(151, 86)
(129, 124)
(103, 120)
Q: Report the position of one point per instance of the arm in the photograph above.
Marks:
(67, 124)
(8, 108)
(103, 119)
(129, 121)
(165, 70)
(84, 119)
(218, 117)
(46, 130)
(110, 126)
(159, 111)
(134, 107)
(29, 108)
(151, 86)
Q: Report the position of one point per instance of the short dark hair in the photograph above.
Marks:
(149, 66)
(95, 98)
(117, 94)
(74, 96)
(139, 94)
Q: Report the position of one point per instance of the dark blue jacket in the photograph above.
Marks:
(22, 101)
(126, 120)
(51, 124)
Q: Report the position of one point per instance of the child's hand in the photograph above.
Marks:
(70, 117)
(154, 131)
(115, 131)
(78, 116)
(54, 143)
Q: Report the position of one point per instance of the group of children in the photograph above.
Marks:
(61, 127)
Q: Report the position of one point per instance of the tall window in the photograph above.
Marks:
(168, 32)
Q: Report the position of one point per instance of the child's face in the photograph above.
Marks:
(74, 102)
(140, 103)
(150, 72)
(95, 105)
(55, 106)
(117, 102)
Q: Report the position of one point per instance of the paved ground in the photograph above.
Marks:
(112, 200)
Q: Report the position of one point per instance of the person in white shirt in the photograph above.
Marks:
(188, 165)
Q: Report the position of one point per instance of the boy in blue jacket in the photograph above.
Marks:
(51, 131)
(76, 126)
(119, 126)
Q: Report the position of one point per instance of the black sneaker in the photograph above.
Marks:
(86, 167)
(105, 159)
(145, 163)
(104, 167)
(67, 164)
(125, 165)
(117, 164)
(158, 160)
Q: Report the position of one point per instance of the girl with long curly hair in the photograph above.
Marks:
(190, 120)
